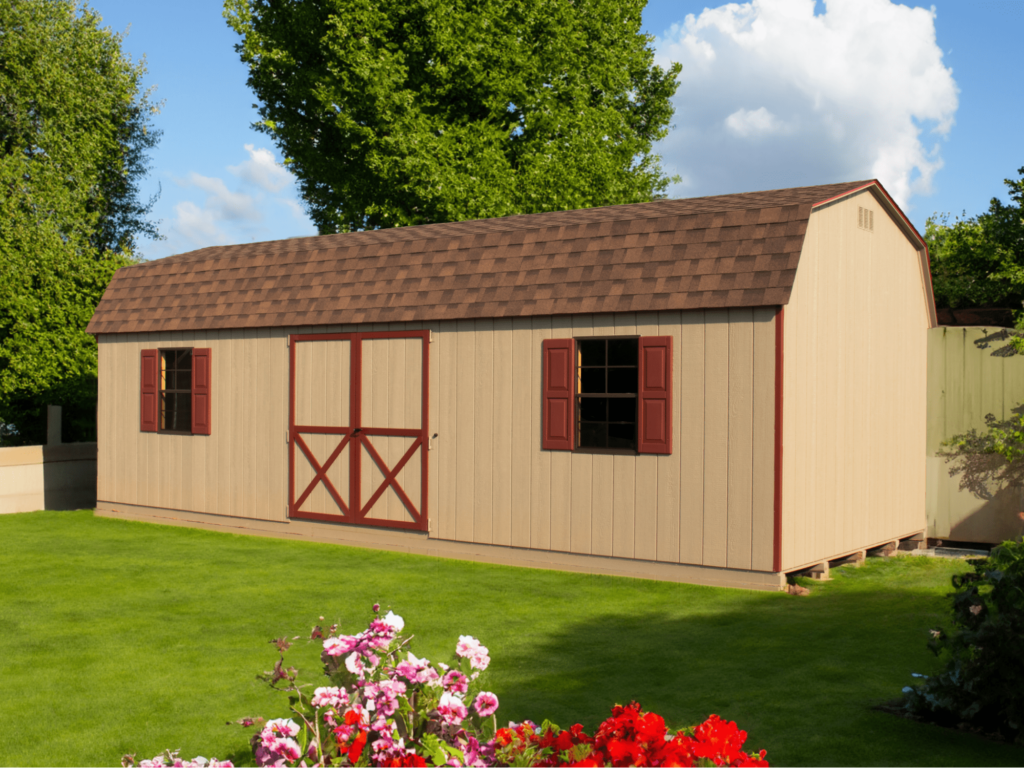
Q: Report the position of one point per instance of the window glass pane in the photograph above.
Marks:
(622, 409)
(622, 351)
(185, 359)
(622, 436)
(178, 411)
(591, 352)
(622, 380)
(592, 381)
(593, 435)
(593, 409)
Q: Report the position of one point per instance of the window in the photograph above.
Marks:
(176, 391)
(606, 389)
(611, 394)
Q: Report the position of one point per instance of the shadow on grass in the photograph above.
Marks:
(118, 637)
(801, 675)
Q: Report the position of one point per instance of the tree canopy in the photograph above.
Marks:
(979, 261)
(74, 133)
(418, 111)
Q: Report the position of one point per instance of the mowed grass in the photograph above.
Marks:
(119, 637)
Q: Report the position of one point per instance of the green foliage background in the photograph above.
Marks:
(418, 111)
(979, 261)
(74, 132)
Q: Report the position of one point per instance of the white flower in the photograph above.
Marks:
(395, 621)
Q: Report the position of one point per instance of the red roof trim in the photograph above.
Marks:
(878, 184)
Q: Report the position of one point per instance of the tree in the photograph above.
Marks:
(417, 111)
(979, 261)
(74, 132)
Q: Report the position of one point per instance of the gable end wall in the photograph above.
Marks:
(855, 384)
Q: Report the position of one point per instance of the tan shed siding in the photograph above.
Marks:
(238, 470)
(966, 381)
(854, 387)
(680, 508)
(709, 503)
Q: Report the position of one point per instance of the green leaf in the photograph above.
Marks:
(418, 111)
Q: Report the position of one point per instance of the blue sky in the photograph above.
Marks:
(773, 93)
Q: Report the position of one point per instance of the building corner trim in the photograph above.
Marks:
(779, 357)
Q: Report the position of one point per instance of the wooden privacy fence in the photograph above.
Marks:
(969, 376)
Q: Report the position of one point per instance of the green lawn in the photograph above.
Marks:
(123, 637)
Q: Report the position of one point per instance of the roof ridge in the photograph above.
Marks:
(405, 232)
(736, 250)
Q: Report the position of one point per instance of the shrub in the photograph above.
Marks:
(983, 681)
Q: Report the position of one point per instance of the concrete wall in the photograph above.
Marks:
(47, 477)
(968, 377)
(855, 383)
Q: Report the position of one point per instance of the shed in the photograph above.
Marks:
(717, 390)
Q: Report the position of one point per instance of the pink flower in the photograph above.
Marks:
(456, 682)
(330, 697)
(469, 648)
(282, 727)
(451, 709)
(354, 663)
(339, 646)
(486, 704)
(288, 749)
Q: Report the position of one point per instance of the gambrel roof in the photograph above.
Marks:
(725, 251)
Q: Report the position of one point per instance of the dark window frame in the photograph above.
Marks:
(579, 396)
(163, 391)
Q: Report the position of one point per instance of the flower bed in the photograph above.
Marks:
(386, 707)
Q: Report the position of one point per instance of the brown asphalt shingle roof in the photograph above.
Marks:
(725, 251)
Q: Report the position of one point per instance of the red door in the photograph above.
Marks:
(357, 428)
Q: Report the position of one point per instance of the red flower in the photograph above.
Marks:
(406, 761)
(357, 748)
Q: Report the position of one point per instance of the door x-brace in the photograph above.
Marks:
(355, 437)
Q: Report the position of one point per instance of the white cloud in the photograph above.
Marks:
(772, 95)
(197, 225)
(213, 214)
(262, 170)
(747, 123)
(222, 202)
(295, 208)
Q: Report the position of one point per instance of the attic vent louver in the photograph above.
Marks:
(866, 219)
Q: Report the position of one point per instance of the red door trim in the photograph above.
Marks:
(355, 419)
(779, 359)
(321, 473)
(356, 437)
(389, 478)
(291, 426)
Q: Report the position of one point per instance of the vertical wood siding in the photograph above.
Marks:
(854, 387)
(708, 503)
(966, 381)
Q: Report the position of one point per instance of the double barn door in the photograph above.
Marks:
(357, 428)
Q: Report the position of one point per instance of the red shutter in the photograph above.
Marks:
(655, 406)
(201, 377)
(150, 390)
(559, 391)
